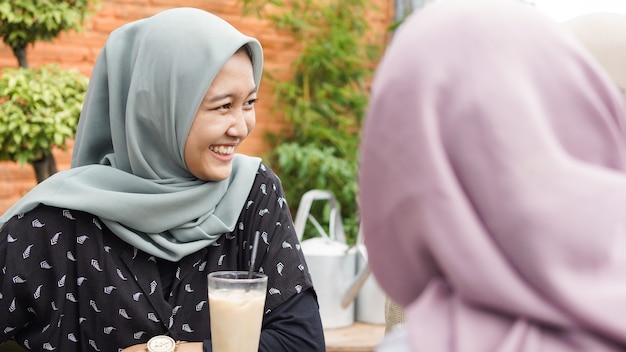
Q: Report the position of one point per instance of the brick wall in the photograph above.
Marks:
(79, 51)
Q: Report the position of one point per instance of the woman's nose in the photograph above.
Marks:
(239, 127)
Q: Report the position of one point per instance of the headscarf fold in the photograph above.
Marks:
(492, 183)
(127, 165)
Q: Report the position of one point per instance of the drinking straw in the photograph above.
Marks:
(253, 258)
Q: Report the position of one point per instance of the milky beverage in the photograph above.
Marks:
(236, 312)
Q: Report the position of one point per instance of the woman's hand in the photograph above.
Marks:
(180, 347)
(136, 348)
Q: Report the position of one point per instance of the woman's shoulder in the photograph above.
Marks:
(43, 214)
(266, 176)
(265, 172)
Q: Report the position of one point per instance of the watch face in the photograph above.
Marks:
(161, 344)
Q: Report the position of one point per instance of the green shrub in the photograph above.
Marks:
(39, 109)
(324, 103)
(24, 22)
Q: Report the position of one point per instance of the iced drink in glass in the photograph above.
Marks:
(236, 307)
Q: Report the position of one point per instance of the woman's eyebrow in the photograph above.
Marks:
(227, 95)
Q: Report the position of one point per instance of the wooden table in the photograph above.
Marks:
(358, 337)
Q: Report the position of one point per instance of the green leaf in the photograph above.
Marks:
(40, 109)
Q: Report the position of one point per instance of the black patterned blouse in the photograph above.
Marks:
(67, 283)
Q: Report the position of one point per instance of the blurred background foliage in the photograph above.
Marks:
(325, 101)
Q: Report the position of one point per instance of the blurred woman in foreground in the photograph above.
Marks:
(492, 182)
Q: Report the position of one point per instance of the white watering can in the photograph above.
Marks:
(370, 299)
(331, 262)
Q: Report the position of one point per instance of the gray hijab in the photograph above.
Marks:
(128, 167)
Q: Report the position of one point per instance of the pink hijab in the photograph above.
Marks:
(493, 184)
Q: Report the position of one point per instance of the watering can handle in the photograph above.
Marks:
(303, 214)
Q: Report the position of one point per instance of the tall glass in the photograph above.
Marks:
(236, 307)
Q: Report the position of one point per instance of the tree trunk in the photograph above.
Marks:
(44, 167)
(20, 54)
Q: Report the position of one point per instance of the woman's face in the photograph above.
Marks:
(224, 119)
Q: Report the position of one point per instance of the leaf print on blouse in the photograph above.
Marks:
(122, 312)
(97, 223)
(200, 306)
(274, 291)
(61, 281)
(55, 239)
(37, 293)
(12, 306)
(26, 252)
(138, 334)
(96, 265)
(67, 214)
(93, 305)
(70, 256)
(153, 286)
(153, 317)
(279, 268)
(93, 345)
(70, 297)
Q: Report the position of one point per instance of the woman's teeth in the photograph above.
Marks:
(223, 149)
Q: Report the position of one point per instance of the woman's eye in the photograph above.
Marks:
(225, 106)
(250, 102)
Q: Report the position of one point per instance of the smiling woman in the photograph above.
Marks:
(156, 199)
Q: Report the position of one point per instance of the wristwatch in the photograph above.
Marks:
(161, 343)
